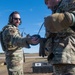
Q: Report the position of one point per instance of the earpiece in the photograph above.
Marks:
(11, 18)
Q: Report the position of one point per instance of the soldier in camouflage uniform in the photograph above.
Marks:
(12, 43)
(60, 34)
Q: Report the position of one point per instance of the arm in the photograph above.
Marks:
(12, 37)
(59, 21)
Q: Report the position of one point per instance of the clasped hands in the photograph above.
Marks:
(34, 39)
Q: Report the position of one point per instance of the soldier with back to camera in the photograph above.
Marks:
(12, 43)
(60, 36)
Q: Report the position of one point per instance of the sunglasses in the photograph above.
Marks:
(17, 18)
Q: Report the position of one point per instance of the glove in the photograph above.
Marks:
(41, 47)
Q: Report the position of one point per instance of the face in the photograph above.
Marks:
(52, 3)
(16, 19)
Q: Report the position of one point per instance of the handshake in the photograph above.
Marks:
(34, 39)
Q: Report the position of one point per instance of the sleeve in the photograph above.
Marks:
(58, 21)
(12, 37)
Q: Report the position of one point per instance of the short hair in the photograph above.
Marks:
(11, 17)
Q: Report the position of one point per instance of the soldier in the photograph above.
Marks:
(60, 34)
(12, 43)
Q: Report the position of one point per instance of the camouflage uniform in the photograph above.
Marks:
(62, 45)
(12, 44)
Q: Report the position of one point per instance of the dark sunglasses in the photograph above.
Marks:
(17, 18)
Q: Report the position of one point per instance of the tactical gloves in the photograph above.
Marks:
(58, 21)
(42, 47)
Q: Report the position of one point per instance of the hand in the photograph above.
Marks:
(35, 39)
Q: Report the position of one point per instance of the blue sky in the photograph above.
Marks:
(32, 14)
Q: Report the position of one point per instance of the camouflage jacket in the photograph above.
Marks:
(63, 44)
(12, 39)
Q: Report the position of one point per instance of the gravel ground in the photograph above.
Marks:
(28, 70)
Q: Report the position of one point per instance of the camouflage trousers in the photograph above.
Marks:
(64, 69)
(15, 63)
(16, 71)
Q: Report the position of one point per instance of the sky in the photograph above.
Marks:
(32, 14)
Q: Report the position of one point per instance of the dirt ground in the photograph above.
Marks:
(28, 69)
